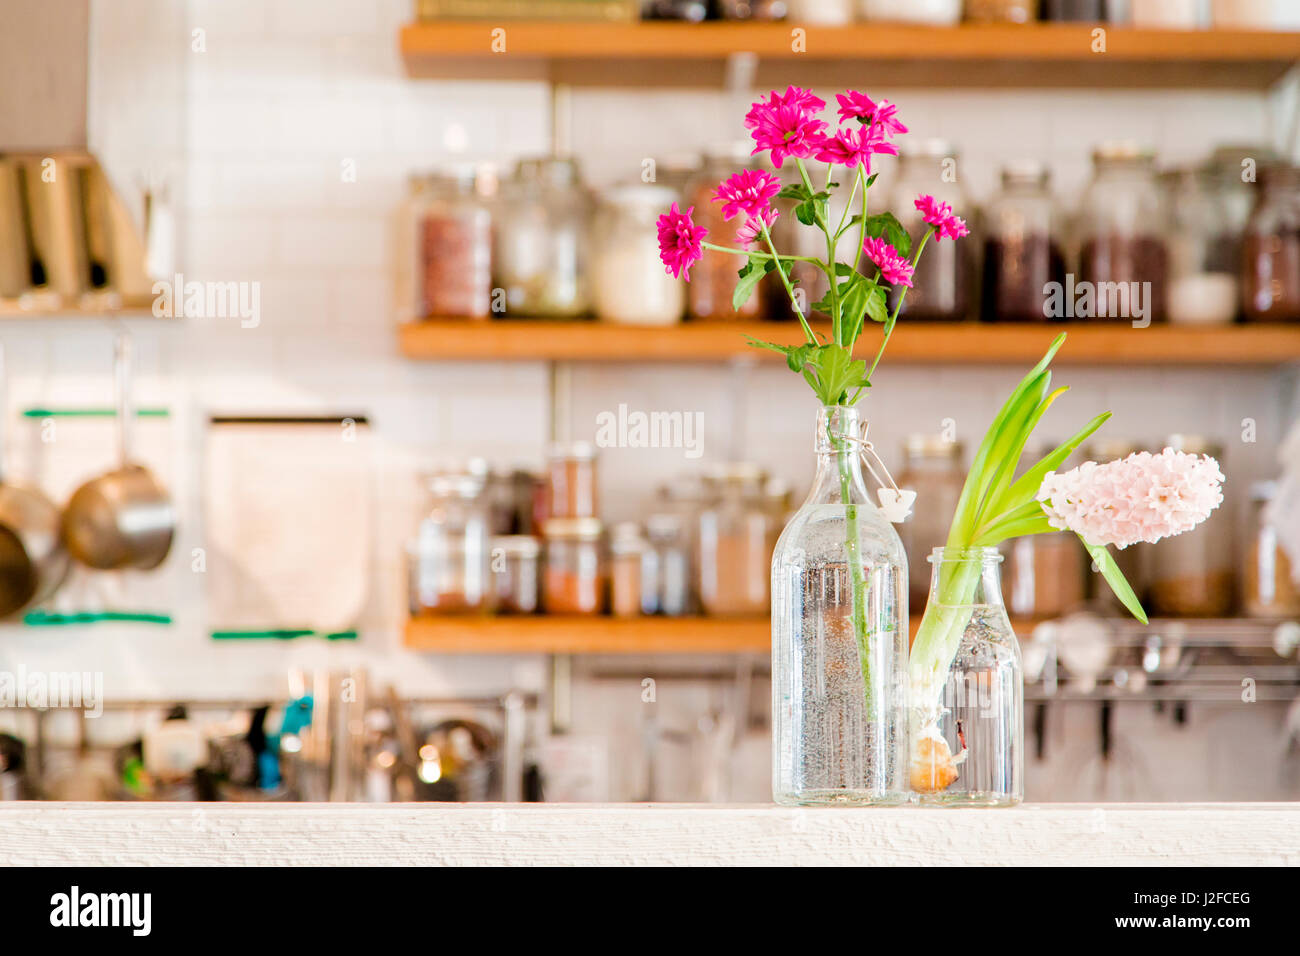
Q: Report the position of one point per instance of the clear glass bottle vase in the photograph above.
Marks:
(967, 725)
(839, 638)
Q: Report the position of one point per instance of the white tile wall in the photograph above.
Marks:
(253, 134)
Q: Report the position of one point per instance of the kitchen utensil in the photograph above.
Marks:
(123, 519)
(33, 562)
(58, 225)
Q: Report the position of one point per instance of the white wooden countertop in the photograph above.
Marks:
(664, 834)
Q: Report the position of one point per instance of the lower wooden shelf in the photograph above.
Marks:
(955, 343)
(600, 635)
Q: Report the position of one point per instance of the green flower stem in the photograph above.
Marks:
(761, 255)
(945, 619)
(862, 225)
(893, 318)
(828, 267)
(789, 289)
(844, 452)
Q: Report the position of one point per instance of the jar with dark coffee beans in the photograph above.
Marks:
(1021, 251)
(942, 284)
(1270, 249)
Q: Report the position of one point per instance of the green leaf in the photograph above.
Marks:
(871, 180)
(797, 358)
(1025, 488)
(885, 224)
(1115, 578)
(794, 191)
(877, 308)
(750, 276)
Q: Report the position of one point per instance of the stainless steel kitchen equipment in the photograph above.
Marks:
(123, 519)
(33, 561)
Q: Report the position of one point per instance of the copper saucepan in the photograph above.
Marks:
(123, 519)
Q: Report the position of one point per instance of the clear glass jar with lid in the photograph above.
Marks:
(1202, 279)
(1268, 588)
(713, 278)
(630, 283)
(1022, 251)
(1122, 235)
(631, 572)
(733, 541)
(1192, 575)
(449, 560)
(931, 468)
(931, 12)
(1270, 260)
(542, 239)
(452, 243)
(942, 287)
(669, 540)
(516, 573)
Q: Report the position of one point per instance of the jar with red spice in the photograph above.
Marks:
(571, 480)
(574, 581)
(1270, 255)
(452, 225)
(1123, 256)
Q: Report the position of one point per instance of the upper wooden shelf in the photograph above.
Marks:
(1041, 54)
(961, 343)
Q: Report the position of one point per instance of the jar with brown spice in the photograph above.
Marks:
(1121, 228)
(1270, 261)
(452, 221)
(631, 582)
(448, 561)
(1191, 575)
(516, 577)
(575, 578)
(1269, 590)
(1021, 248)
(1002, 11)
(733, 539)
(571, 480)
(942, 286)
(713, 278)
(1045, 575)
(931, 468)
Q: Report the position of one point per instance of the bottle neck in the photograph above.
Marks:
(966, 577)
(839, 478)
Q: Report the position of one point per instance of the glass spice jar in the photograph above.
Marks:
(575, 577)
(1191, 575)
(1270, 259)
(449, 559)
(713, 278)
(1122, 234)
(931, 468)
(631, 582)
(670, 543)
(630, 284)
(1269, 590)
(733, 541)
(1002, 11)
(752, 9)
(571, 481)
(516, 578)
(541, 248)
(1021, 251)
(1202, 281)
(942, 284)
(453, 244)
(1087, 11)
(1045, 575)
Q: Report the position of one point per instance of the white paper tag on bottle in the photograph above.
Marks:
(896, 503)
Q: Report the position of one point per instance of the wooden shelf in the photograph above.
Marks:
(588, 635)
(602, 635)
(1060, 55)
(962, 343)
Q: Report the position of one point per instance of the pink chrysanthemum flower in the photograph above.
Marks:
(859, 106)
(748, 234)
(939, 214)
(895, 269)
(848, 147)
(679, 241)
(749, 191)
(787, 124)
(1143, 497)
